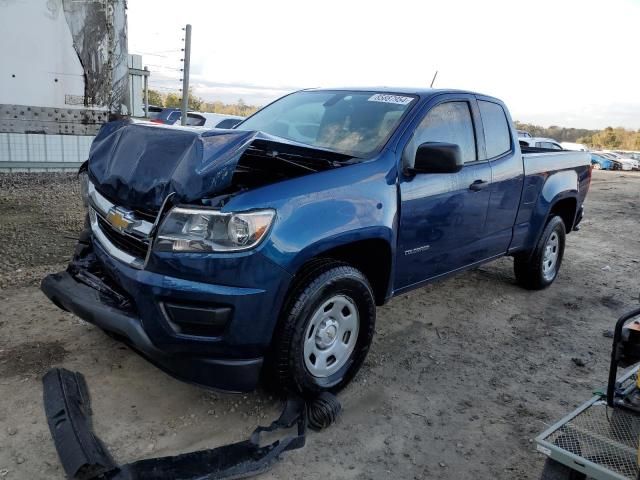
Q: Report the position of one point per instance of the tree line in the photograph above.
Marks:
(609, 138)
(174, 100)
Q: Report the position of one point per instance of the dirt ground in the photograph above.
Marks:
(461, 377)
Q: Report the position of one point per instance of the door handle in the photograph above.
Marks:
(478, 185)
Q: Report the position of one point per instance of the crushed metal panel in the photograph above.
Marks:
(99, 32)
(60, 53)
(69, 73)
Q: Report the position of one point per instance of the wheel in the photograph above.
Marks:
(538, 269)
(557, 471)
(597, 166)
(325, 329)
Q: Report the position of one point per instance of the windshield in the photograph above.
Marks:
(353, 123)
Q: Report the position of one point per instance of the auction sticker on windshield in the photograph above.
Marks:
(386, 98)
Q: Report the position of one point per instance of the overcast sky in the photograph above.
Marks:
(562, 62)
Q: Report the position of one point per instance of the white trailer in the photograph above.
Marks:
(65, 71)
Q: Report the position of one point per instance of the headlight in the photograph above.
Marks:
(201, 230)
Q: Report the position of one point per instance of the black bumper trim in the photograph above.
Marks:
(231, 375)
(84, 457)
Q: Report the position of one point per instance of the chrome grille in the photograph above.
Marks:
(128, 243)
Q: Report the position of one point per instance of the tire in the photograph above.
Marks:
(557, 471)
(533, 270)
(597, 166)
(325, 329)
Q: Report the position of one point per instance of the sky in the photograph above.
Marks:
(554, 62)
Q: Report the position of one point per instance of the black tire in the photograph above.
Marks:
(557, 471)
(529, 267)
(317, 284)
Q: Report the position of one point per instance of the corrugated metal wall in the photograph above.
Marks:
(29, 152)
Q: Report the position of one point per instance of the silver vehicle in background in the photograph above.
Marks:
(540, 142)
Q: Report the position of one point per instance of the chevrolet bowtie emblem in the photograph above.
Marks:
(119, 220)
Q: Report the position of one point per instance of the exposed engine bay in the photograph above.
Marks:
(138, 165)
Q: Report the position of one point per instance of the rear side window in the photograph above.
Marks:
(195, 120)
(448, 122)
(549, 145)
(228, 123)
(496, 129)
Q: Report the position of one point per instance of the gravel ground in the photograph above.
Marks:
(462, 375)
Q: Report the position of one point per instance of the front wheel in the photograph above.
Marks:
(325, 330)
(538, 269)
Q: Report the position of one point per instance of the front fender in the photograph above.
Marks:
(324, 210)
(343, 239)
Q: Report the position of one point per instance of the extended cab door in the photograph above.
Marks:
(507, 174)
(442, 215)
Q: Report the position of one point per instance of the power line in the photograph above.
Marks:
(159, 52)
(163, 66)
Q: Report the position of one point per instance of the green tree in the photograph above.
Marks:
(195, 103)
(172, 100)
(155, 98)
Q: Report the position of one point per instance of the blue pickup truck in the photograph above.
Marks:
(227, 257)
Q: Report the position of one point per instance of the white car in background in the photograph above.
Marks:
(212, 120)
(619, 163)
(576, 147)
(540, 142)
(523, 134)
(635, 164)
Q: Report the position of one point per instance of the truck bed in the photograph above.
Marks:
(537, 160)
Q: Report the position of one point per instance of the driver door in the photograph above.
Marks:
(442, 215)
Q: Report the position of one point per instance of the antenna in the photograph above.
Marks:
(434, 79)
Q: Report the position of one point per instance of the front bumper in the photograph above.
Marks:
(144, 309)
(66, 292)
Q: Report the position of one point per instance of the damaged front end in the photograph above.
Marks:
(137, 172)
(138, 165)
(155, 195)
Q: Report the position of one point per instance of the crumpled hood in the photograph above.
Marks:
(137, 165)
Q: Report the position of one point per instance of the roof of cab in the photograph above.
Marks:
(421, 92)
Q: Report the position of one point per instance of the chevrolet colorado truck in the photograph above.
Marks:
(227, 257)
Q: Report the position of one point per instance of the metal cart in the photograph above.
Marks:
(595, 440)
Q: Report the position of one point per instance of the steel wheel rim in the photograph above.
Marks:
(550, 257)
(331, 336)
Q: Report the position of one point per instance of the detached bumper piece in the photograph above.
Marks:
(84, 457)
(66, 404)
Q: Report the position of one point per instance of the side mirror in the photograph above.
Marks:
(437, 157)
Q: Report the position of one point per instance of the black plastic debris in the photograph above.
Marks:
(84, 457)
(68, 410)
(323, 411)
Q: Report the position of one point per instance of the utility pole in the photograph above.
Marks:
(146, 93)
(185, 74)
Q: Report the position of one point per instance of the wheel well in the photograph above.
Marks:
(372, 257)
(565, 209)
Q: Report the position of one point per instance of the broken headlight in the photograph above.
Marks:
(201, 230)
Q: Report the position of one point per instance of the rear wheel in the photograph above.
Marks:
(538, 269)
(325, 330)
